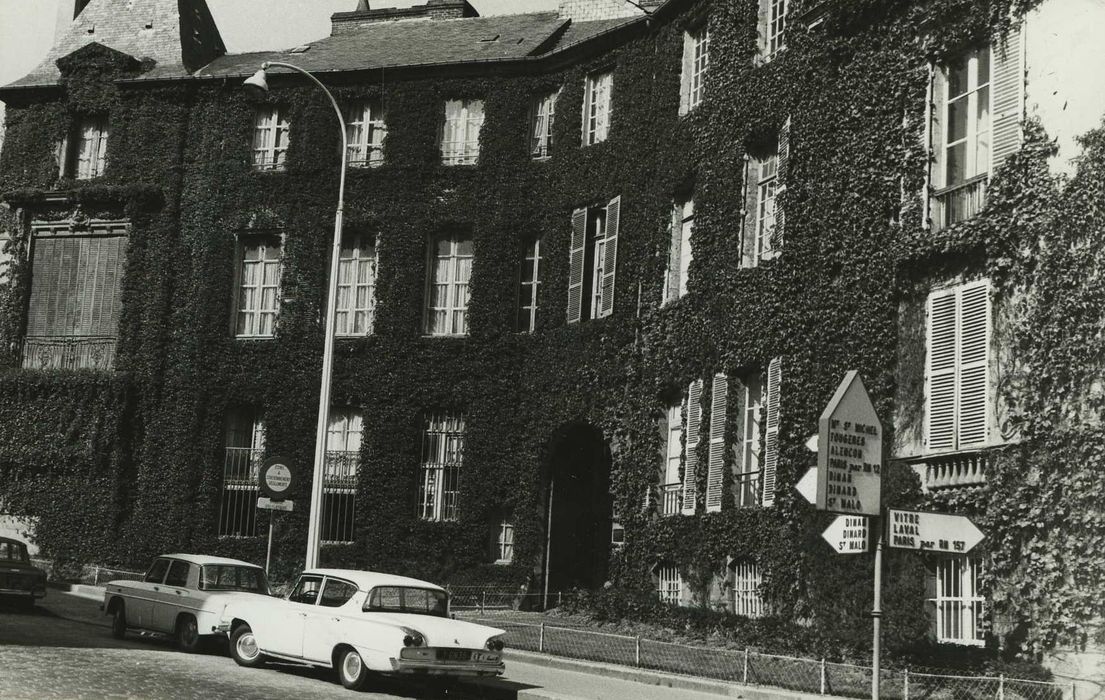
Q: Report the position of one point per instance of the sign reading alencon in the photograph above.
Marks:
(849, 455)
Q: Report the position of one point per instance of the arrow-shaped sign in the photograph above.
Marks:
(932, 532)
(807, 485)
(847, 534)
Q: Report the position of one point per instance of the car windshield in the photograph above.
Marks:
(13, 551)
(228, 577)
(404, 599)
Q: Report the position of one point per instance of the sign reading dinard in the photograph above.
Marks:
(849, 455)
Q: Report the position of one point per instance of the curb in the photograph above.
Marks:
(80, 590)
(657, 678)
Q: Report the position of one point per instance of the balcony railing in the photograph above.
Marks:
(955, 470)
(958, 202)
(671, 499)
(69, 352)
(341, 470)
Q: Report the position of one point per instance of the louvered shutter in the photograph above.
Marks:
(575, 264)
(610, 263)
(748, 214)
(933, 137)
(974, 343)
(42, 267)
(675, 243)
(783, 171)
(1007, 95)
(940, 390)
(771, 430)
(686, 77)
(718, 407)
(694, 424)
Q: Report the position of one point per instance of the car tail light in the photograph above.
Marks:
(495, 644)
(413, 640)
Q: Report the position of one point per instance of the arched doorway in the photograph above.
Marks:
(578, 509)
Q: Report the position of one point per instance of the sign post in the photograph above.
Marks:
(276, 479)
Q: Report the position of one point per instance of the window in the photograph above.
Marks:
(773, 25)
(365, 130)
(679, 254)
(460, 135)
(696, 58)
(504, 543)
(258, 286)
(306, 590)
(83, 154)
(13, 551)
(356, 307)
(766, 186)
(541, 126)
(156, 574)
(593, 261)
(270, 138)
(228, 577)
(957, 378)
(746, 465)
(669, 584)
(442, 455)
(671, 488)
(529, 286)
(178, 574)
(412, 601)
(961, 137)
(448, 295)
(959, 602)
(597, 107)
(339, 483)
(245, 450)
(765, 180)
(336, 593)
(76, 278)
(746, 589)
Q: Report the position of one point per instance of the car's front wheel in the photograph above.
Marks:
(119, 622)
(244, 649)
(188, 634)
(351, 670)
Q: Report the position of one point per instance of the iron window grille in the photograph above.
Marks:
(245, 451)
(960, 606)
(442, 456)
(747, 580)
(339, 482)
(669, 584)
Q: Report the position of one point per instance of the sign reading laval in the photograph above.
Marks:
(849, 458)
(932, 532)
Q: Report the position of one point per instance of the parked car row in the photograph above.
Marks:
(19, 579)
(357, 622)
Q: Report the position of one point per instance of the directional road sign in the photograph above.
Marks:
(932, 532)
(849, 455)
(848, 534)
(807, 485)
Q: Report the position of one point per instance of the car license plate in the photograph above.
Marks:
(455, 655)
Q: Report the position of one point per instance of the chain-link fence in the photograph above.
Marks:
(85, 573)
(484, 598)
(755, 668)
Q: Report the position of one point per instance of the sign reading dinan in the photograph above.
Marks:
(849, 454)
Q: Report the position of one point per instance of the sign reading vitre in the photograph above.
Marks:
(931, 532)
(849, 455)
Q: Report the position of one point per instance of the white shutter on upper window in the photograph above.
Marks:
(610, 262)
(782, 178)
(687, 77)
(1008, 77)
(675, 242)
(940, 385)
(974, 344)
(771, 429)
(715, 468)
(690, 462)
(575, 264)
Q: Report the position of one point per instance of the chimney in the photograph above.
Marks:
(588, 10)
(346, 22)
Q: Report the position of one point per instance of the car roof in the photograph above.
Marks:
(204, 560)
(13, 541)
(368, 579)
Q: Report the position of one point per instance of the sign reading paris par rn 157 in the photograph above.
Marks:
(849, 455)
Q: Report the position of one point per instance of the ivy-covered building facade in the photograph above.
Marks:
(602, 270)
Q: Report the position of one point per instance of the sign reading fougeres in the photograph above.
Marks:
(276, 479)
(849, 455)
(932, 532)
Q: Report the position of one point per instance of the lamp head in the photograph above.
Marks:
(257, 84)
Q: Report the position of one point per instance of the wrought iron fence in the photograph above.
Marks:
(339, 496)
(479, 599)
(77, 352)
(958, 203)
(90, 574)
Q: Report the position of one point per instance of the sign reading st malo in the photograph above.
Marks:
(849, 458)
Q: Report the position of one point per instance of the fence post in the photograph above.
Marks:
(541, 639)
(96, 576)
(638, 650)
(1072, 691)
(822, 675)
(559, 598)
(1001, 686)
(744, 677)
(905, 686)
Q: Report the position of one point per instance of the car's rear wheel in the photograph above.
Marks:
(188, 634)
(244, 649)
(119, 621)
(352, 670)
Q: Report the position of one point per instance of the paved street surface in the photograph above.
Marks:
(64, 650)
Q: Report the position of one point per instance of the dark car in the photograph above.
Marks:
(18, 579)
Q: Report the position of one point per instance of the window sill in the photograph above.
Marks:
(429, 336)
(254, 337)
(503, 562)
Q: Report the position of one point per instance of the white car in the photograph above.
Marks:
(183, 595)
(360, 623)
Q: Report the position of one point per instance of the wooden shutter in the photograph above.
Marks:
(749, 213)
(688, 72)
(694, 424)
(771, 430)
(932, 129)
(575, 264)
(974, 343)
(718, 408)
(940, 382)
(675, 244)
(610, 264)
(781, 179)
(1007, 95)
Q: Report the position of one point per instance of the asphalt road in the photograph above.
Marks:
(63, 650)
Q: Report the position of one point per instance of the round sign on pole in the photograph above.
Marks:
(276, 478)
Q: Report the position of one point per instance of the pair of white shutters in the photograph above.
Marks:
(957, 392)
(715, 466)
(578, 256)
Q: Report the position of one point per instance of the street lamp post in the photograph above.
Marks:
(259, 82)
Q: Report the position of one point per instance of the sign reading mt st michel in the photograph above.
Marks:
(849, 458)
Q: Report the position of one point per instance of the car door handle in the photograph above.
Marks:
(180, 592)
(156, 588)
(336, 619)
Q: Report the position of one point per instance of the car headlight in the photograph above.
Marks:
(495, 644)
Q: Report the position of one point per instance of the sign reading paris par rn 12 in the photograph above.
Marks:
(849, 455)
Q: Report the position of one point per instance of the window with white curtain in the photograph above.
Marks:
(88, 152)
(270, 138)
(356, 303)
(696, 58)
(442, 456)
(365, 131)
(541, 127)
(460, 136)
(339, 481)
(597, 107)
(258, 286)
(448, 294)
